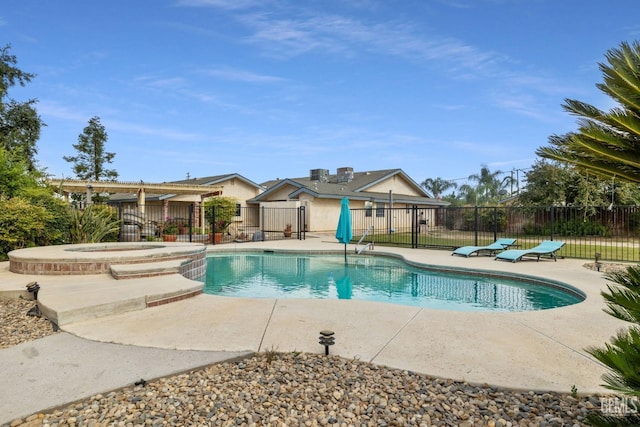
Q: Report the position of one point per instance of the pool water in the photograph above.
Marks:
(372, 278)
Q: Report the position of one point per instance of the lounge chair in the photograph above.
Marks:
(547, 247)
(497, 246)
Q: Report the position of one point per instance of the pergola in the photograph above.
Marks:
(67, 186)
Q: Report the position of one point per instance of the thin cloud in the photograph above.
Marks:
(304, 32)
(194, 29)
(347, 37)
(526, 105)
(222, 4)
(49, 109)
(162, 83)
(540, 84)
(451, 107)
(334, 34)
(151, 131)
(510, 163)
(240, 75)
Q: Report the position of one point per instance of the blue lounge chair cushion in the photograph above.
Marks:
(547, 247)
(498, 245)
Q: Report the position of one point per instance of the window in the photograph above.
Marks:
(368, 209)
(380, 210)
(238, 209)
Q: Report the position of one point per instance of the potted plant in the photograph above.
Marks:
(220, 212)
(287, 230)
(169, 230)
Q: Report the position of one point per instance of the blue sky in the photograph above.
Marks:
(273, 88)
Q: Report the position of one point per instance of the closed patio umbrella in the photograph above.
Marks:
(344, 232)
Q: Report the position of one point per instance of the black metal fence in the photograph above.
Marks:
(189, 223)
(609, 233)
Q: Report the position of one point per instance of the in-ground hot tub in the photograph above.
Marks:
(189, 259)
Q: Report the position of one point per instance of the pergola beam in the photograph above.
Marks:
(81, 186)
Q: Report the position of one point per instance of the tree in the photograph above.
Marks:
(468, 194)
(488, 188)
(551, 183)
(606, 144)
(91, 158)
(437, 186)
(622, 354)
(30, 215)
(14, 175)
(19, 121)
(546, 185)
(220, 212)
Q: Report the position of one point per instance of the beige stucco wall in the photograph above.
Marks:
(323, 214)
(239, 190)
(395, 184)
(282, 193)
(320, 214)
(274, 216)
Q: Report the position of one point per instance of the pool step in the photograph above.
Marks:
(148, 269)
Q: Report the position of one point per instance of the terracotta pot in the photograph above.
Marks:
(169, 237)
(215, 238)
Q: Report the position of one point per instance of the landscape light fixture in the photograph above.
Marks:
(33, 288)
(327, 339)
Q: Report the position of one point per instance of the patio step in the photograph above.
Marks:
(92, 297)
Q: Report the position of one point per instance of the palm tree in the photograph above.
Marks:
(489, 185)
(438, 186)
(468, 193)
(622, 355)
(606, 144)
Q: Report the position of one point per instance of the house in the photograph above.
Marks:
(372, 192)
(271, 206)
(160, 206)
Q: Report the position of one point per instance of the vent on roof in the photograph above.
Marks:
(345, 174)
(321, 175)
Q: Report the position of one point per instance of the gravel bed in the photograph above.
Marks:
(17, 327)
(297, 389)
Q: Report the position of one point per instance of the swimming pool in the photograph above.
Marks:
(378, 278)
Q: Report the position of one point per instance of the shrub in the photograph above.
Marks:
(220, 212)
(21, 224)
(170, 226)
(56, 230)
(567, 227)
(93, 224)
(488, 220)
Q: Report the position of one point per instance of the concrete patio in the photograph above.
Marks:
(538, 350)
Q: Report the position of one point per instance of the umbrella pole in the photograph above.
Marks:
(345, 253)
